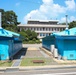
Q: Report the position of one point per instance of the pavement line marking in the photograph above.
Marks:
(68, 73)
(43, 53)
(71, 73)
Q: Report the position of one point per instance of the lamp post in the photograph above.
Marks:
(67, 31)
(66, 22)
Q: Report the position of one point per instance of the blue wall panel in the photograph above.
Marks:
(70, 49)
(48, 41)
(10, 50)
(17, 46)
(66, 47)
(4, 50)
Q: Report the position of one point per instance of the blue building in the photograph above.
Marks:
(10, 44)
(64, 41)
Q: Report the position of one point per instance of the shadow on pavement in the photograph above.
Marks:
(20, 54)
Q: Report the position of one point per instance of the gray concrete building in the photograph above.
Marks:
(42, 27)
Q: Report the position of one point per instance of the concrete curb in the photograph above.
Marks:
(46, 51)
(2, 69)
(49, 66)
(36, 68)
(9, 69)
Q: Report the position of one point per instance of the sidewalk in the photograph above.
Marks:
(48, 66)
(35, 67)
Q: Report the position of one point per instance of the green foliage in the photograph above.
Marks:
(72, 24)
(5, 63)
(34, 35)
(29, 36)
(9, 20)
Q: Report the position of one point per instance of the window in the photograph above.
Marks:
(41, 34)
(71, 55)
(43, 28)
(47, 34)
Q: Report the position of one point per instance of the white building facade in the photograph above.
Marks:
(42, 27)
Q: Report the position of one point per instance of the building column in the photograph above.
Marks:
(35, 29)
(45, 29)
(20, 29)
(58, 29)
(50, 29)
(41, 29)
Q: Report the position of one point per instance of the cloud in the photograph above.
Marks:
(35, 14)
(17, 4)
(63, 19)
(50, 10)
(48, 2)
(71, 5)
(70, 19)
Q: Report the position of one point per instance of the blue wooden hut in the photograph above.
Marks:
(10, 44)
(65, 42)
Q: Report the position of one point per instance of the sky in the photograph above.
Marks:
(41, 9)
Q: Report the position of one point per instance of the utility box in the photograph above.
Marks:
(55, 53)
(10, 44)
(52, 48)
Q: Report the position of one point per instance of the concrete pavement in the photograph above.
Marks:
(32, 45)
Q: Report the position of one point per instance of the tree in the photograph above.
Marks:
(9, 20)
(34, 35)
(72, 24)
(29, 36)
(24, 35)
(3, 18)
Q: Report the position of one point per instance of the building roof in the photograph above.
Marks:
(31, 25)
(43, 20)
(68, 32)
(7, 33)
(41, 23)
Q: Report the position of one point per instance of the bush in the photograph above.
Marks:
(32, 42)
(30, 37)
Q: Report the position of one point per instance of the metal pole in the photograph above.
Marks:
(66, 22)
(0, 19)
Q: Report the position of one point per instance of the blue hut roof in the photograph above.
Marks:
(6, 33)
(68, 32)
